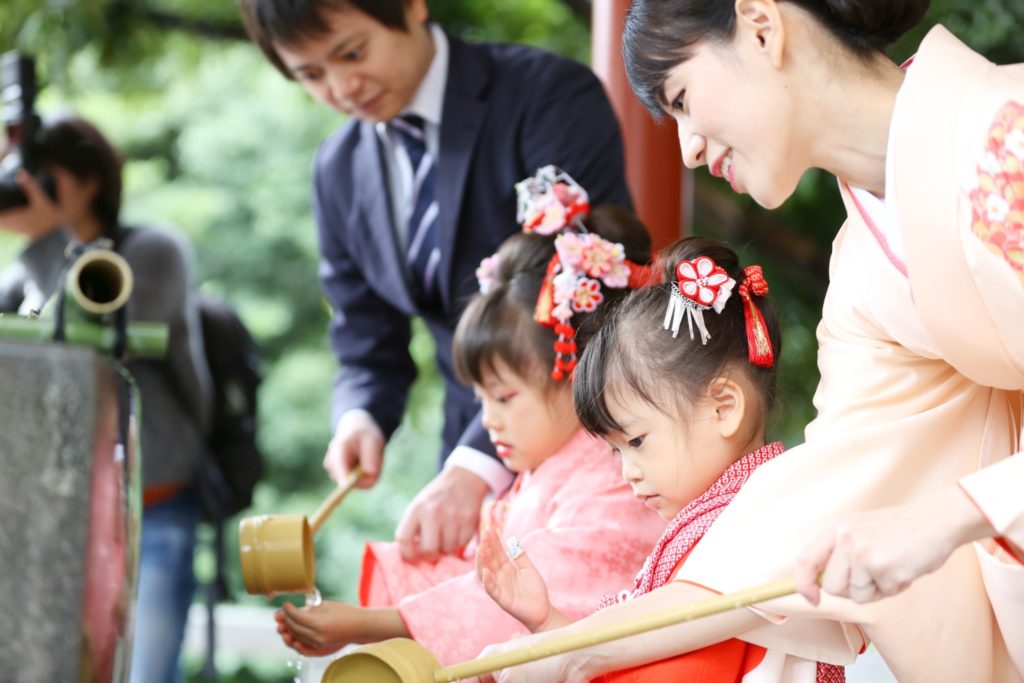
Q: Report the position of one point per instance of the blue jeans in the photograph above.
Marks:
(166, 586)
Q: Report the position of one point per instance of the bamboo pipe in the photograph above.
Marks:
(99, 282)
(146, 340)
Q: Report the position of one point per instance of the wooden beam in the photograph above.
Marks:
(654, 171)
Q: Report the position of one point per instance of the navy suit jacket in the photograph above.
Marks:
(508, 110)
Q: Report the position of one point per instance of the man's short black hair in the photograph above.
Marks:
(290, 22)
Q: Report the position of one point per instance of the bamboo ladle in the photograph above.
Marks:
(277, 550)
(401, 660)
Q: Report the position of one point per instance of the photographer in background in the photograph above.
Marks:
(175, 391)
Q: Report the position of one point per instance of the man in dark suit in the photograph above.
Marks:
(410, 194)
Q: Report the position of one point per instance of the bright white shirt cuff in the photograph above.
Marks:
(355, 413)
(482, 465)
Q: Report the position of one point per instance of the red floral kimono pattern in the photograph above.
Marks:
(997, 203)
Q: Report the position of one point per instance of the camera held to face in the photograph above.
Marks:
(17, 99)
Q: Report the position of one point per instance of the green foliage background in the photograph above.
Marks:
(220, 145)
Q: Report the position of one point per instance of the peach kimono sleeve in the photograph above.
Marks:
(997, 490)
(969, 287)
(994, 260)
(968, 281)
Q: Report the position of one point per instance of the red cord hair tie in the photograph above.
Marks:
(641, 276)
(759, 343)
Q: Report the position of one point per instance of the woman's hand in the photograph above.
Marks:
(38, 217)
(876, 554)
(515, 584)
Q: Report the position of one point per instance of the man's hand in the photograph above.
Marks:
(443, 516)
(38, 217)
(357, 441)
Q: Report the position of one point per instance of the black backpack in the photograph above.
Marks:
(233, 463)
(227, 477)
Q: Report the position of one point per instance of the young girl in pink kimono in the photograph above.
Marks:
(687, 412)
(915, 451)
(567, 505)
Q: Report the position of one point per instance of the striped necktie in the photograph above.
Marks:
(421, 251)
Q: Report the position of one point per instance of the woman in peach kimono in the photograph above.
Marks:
(916, 448)
(568, 505)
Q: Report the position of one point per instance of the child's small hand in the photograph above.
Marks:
(515, 584)
(321, 630)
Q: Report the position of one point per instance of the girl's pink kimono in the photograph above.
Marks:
(922, 373)
(575, 517)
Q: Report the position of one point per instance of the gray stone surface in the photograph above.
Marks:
(48, 418)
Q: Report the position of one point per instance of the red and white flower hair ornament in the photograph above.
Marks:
(549, 201)
(701, 284)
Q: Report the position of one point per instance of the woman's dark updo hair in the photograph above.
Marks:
(499, 324)
(660, 34)
(77, 146)
(633, 354)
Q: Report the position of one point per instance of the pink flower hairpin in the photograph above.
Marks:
(572, 285)
(487, 273)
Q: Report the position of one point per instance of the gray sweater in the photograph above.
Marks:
(176, 391)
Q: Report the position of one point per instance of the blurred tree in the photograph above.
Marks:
(128, 35)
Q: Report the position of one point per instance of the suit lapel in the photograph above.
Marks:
(461, 119)
(373, 197)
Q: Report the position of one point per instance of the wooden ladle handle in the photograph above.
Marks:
(627, 627)
(332, 501)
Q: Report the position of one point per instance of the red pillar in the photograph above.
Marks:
(654, 170)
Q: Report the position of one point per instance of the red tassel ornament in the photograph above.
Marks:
(759, 344)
